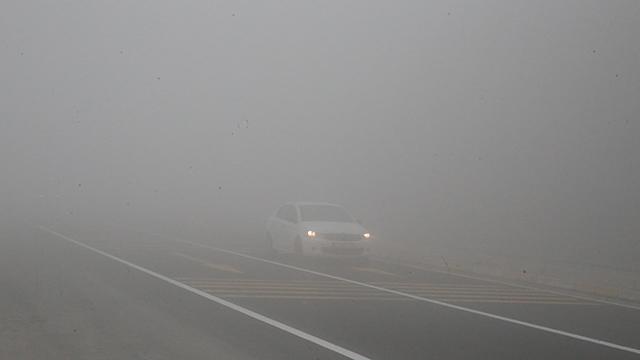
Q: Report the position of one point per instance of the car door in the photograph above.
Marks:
(290, 228)
(276, 228)
(282, 228)
(272, 226)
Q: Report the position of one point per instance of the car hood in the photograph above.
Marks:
(322, 227)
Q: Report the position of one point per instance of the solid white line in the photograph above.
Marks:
(502, 282)
(432, 301)
(291, 330)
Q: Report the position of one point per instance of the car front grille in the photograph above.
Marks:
(341, 237)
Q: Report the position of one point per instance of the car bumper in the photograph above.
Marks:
(337, 249)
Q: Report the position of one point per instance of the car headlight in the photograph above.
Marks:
(366, 235)
(311, 233)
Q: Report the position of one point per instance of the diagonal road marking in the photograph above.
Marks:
(368, 293)
(429, 300)
(513, 284)
(374, 271)
(388, 298)
(252, 314)
(313, 289)
(220, 267)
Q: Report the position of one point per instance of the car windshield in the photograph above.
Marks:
(324, 213)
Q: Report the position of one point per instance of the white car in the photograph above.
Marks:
(317, 229)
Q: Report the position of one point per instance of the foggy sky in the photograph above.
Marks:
(509, 125)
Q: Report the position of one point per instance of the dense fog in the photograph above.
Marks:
(509, 127)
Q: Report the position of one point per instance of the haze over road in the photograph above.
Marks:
(147, 148)
(69, 300)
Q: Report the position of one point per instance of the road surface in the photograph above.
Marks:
(130, 294)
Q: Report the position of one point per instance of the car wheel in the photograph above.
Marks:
(270, 251)
(297, 246)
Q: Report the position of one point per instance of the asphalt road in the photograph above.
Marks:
(129, 294)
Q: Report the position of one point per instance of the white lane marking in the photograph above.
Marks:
(339, 283)
(379, 298)
(375, 271)
(225, 290)
(291, 330)
(219, 267)
(501, 282)
(350, 288)
(432, 301)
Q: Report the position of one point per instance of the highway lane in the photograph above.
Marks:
(368, 321)
(60, 301)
